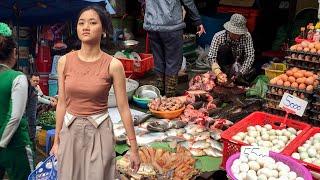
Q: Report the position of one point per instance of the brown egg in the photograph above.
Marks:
(309, 81)
(289, 73)
(302, 72)
(309, 88)
(293, 48)
(295, 69)
(308, 74)
(294, 85)
(298, 75)
(273, 81)
(315, 76)
(302, 86)
(299, 48)
(291, 79)
(316, 83)
(306, 49)
(300, 80)
(284, 77)
(287, 84)
(280, 82)
(313, 50)
(305, 43)
(280, 92)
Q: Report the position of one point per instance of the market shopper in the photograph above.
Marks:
(15, 152)
(31, 113)
(164, 22)
(84, 141)
(231, 52)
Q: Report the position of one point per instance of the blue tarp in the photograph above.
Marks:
(32, 12)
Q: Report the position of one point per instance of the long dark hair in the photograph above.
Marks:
(105, 19)
(7, 46)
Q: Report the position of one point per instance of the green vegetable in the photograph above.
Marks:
(260, 88)
(121, 148)
(207, 163)
(48, 118)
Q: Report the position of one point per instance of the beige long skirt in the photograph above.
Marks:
(86, 152)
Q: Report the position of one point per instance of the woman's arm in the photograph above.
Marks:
(118, 75)
(61, 107)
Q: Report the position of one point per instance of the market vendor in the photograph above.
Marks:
(16, 157)
(231, 52)
(43, 99)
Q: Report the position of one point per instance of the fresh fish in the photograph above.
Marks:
(197, 152)
(215, 144)
(194, 129)
(201, 145)
(119, 131)
(173, 139)
(215, 134)
(176, 124)
(213, 152)
(186, 144)
(140, 131)
(158, 125)
(139, 119)
(175, 132)
(202, 136)
(188, 136)
(150, 137)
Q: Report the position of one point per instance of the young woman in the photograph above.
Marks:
(15, 151)
(84, 142)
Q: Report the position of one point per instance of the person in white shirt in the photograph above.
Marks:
(43, 99)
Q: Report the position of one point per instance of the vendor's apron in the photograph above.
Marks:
(228, 55)
(86, 152)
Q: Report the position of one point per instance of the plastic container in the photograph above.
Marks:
(275, 70)
(294, 166)
(138, 68)
(142, 103)
(251, 14)
(53, 87)
(167, 114)
(294, 147)
(231, 146)
(46, 171)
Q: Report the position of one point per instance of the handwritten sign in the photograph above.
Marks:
(255, 150)
(296, 105)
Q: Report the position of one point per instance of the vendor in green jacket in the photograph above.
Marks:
(16, 156)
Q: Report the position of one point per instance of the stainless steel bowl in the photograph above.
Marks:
(131, 86)
(129, 44)
(148, 92)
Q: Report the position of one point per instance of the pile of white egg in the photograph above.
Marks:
(310, 151)
(253, 168)
(265, 136)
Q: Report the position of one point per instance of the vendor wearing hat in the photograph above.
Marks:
(231, 51)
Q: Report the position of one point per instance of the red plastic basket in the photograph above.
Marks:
(293, 148)
(231, 146)
(138, 68)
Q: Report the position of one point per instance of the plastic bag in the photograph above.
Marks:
(202, 61)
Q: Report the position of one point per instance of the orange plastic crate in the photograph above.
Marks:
(231, 146)
(138, 68)
(293, 148)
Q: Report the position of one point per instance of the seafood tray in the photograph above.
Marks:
(231, 146)
(294, 146)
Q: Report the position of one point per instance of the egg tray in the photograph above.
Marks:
(313, 59)
(292, 147)
(302, 52)
(231, 146)
(290, 90)
(315, 121)
(304, 65)
(278, 97)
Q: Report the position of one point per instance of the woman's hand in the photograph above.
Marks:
(134, 160)
(54, 149)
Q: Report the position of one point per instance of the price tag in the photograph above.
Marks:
(256, 150)
(296, 105)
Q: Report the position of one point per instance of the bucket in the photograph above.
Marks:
(53, 87)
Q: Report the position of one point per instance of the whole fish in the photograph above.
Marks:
(158, 125)
(215, 144)
(202, 136)
(215, 134)
(150, 137)
(186, 144)
(119, 131)
(176, 124)
(201, 145)
(188, 136)
(197, 152)
(213, 152)
(139, 119)
(173, 139)
(175, 132)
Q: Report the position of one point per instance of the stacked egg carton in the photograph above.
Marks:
(315, 108)
(304, 60)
